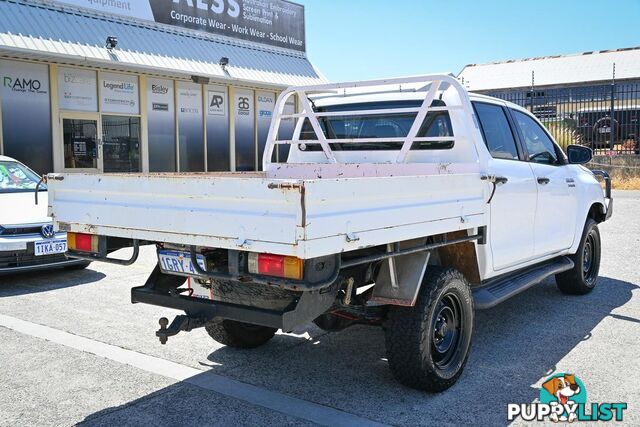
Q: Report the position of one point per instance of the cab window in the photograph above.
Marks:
(540, 147)
(437, 124)
(496, 131)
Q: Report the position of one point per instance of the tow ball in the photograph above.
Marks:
(180, 323)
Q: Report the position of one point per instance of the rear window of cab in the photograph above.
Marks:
(379, 126)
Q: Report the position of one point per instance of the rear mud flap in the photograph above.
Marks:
(399, 279)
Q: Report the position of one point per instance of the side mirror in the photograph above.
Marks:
(579, 155)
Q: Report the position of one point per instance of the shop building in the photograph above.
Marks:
(146, 85)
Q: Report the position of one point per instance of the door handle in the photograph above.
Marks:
(543, 181)
(495, 179)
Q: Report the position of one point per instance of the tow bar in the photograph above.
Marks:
(180, 323)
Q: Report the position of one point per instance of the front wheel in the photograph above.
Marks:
(238, 334)
(428, 344)
(582, 278)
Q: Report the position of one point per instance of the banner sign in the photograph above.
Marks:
(26, 114)
(217, 128)
(273, 22)
(244, 110)
(77, 89)
(161, 125)
(191, 142)
(119, 93)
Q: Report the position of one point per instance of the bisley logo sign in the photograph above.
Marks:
(159, 89)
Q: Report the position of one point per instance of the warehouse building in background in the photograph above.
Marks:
(146, 85)
(590, 98)
(575, 75)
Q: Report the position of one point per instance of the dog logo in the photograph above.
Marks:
(565, 390)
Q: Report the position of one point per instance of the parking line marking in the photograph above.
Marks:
(254, 395)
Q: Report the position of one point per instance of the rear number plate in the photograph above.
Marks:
(50, 247)
(178, 262)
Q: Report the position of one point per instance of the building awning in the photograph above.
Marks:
(67, 34)
(553, 70)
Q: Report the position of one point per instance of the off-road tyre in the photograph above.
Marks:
(582, 278)
(238, 334)
(414, 335)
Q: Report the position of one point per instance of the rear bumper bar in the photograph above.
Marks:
(161, 290)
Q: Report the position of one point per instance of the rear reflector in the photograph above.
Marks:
(83, 242)
(276, 265)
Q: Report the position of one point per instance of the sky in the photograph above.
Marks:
(366, 39)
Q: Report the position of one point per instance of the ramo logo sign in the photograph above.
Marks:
(18, 84)
(563, 398)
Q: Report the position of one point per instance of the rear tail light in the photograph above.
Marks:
(83, 242)
(276, 265)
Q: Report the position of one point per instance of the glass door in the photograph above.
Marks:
(94, 143)
(81, 143)
(121, 143)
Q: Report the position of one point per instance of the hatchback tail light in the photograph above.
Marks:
(276, 265)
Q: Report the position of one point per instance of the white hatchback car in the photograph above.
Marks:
(27, 239)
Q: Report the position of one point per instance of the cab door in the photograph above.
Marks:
(556, 211)
(513, 205)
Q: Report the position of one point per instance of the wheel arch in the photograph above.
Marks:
(597, 212)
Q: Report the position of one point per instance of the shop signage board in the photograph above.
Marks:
(77, 89)
(119, 93)
(273, 22)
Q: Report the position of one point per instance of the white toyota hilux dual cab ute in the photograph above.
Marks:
(403, 203)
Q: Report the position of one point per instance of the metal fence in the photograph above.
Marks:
(604, 117)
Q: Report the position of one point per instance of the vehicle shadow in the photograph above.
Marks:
(515, 344)
(46, 280)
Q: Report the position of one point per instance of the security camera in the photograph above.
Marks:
(224, 61)
(111, 42)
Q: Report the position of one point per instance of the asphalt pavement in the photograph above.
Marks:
(73, 349)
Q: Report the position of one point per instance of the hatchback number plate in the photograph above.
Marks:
(50, 247)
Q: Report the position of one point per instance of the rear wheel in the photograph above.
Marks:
(238, 334)
(428, 344)
(582, 278)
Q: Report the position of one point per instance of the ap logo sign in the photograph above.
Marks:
(217, 102)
